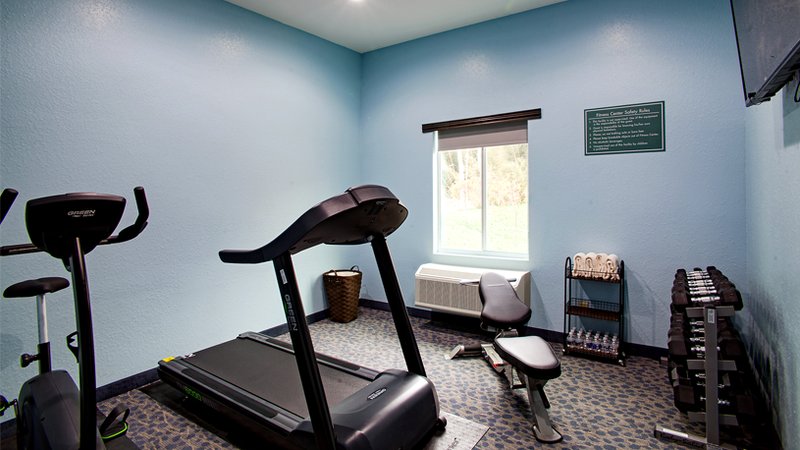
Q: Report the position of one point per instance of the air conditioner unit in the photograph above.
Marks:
(454, 289)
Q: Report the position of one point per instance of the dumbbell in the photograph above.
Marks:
(716, 281)
(729, 346)
(728, 386)
(678, 360)
(699, 285)
(717, 277)
(687, 285)
(679, 321)
(702, 286)
(679, 372)
(741, 405)
(698, 274)
(722, 297)
(695, 285)
(726, 297)
(724, 334)
(689, 325)
(713, 271)
(729, 381)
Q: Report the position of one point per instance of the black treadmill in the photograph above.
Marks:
(294, 397)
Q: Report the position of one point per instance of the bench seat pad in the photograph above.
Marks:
(531, 355)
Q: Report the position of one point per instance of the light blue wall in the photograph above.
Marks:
(658, 211)
(772, 148)
(235, 124)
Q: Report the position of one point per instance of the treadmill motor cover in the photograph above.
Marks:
(384, 414)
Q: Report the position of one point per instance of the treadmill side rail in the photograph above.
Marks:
(226, 398)
(236, 397)
(322, 358)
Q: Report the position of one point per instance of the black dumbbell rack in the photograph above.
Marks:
(712, 366)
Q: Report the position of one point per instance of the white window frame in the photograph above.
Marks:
(483, 137)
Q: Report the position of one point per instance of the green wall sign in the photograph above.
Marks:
(624, 129)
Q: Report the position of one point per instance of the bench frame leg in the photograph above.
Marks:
(515, 378)
(543, 430)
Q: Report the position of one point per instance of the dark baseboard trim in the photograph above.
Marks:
(283, 328)
(383, 306)
(126, 384)
(472, 324)
(453, 321)
(646, 351)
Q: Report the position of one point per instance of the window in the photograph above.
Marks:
(482, 189)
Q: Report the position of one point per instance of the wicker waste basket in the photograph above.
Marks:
(342, 288)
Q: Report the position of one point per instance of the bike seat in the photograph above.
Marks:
(33, 288)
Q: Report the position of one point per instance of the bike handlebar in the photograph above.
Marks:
(133, 230)
(126, 234)
(6, 200)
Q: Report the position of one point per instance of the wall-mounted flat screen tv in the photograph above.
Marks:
(768, 36)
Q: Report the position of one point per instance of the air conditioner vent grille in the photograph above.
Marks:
(441, 288)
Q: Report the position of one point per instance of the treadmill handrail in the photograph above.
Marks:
(363, 208)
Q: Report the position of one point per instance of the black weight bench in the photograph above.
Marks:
(531, 357)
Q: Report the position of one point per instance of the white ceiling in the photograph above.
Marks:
(364, 25)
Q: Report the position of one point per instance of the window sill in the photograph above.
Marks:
(482, 256)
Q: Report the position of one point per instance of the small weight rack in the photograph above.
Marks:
(700, 356)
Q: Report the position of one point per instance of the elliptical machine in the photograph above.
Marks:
(52, 412)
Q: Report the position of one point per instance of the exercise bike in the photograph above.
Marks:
(31, 288)
(52, 412)
(35, 288)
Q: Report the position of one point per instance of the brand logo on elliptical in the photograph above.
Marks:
(376, 394)
(82, 213)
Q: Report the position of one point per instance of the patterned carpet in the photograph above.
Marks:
(595, 405)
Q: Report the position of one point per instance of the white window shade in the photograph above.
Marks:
(506, 133)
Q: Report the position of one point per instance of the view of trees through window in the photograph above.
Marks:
(483, 199)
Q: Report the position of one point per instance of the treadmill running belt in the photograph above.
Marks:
(272, 374)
